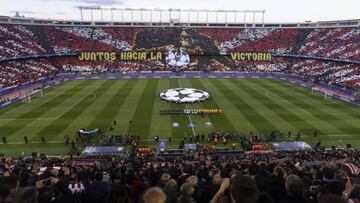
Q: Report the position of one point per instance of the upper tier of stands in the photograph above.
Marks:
(204, 44)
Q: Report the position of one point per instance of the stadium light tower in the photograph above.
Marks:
(82, 8)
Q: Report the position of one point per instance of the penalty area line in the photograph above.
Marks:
(80, 100)
(52, 118)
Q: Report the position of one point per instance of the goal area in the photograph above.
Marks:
(29, 97)
(316, 90)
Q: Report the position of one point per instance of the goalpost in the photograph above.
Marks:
(319, 91)
(28, 97)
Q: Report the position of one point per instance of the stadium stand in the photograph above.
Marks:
(330, 55)
(336, 50)
(302, 176)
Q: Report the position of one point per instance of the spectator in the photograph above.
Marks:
(209, 190)
(186, 193)
(170, 190)
(27, 195)
(100, 190)
(121, 194)
(295, 190)
(164, 179)
(276, 184)
(242, 190)
(8, 186)
(46, 195)
(329, 198)
(154, 195)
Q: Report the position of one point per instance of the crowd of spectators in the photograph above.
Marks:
(302, 176)
(246, 139)
(127, 139)
(15, 73)
(322, 176)
(25, 40)
(249, 137)
(3, 101)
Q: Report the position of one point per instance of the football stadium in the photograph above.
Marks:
(178, 105)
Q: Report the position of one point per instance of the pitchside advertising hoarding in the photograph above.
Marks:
(170, 56)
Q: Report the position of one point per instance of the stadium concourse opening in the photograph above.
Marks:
(231, 109)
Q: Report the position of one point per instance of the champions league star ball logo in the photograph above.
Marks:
(184, 95)
(175, 59)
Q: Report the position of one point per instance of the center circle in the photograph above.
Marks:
(184, 95)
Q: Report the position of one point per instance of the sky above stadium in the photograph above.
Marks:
(276, 10)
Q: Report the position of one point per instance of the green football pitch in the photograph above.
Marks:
(258, 105)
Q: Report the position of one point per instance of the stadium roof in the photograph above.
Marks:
(175, 18)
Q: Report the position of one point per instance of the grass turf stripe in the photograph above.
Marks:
(161, 124)
(291, 117)
(178, 132)
(258, 121)
(220, 122)
(143, 115)
(16, 125)
(318, 113)
(106, 116)
(236, 117)
(262, 104)
(20, 104)
(59, 125)
(349, 109)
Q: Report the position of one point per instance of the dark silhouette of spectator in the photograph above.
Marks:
(241, 189)
(154, 195)
(295, 190)
(276, 184)
(27, 195)
(171, 191)
(46, 195)
(121, 194)
(8, 187)
(186, 193)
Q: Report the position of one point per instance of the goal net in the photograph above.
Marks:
(28, 97)
(317, 90)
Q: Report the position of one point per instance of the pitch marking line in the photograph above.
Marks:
(328, 100)
(34, 106)
(51, 118)
(26, 106)
(25, 119)
(48, 99)
(80, 100)
(47, 142)
(331, 100)
(267, 93)
(333, 135)
(190, 120)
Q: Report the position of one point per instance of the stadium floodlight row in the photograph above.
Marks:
(140, 15)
